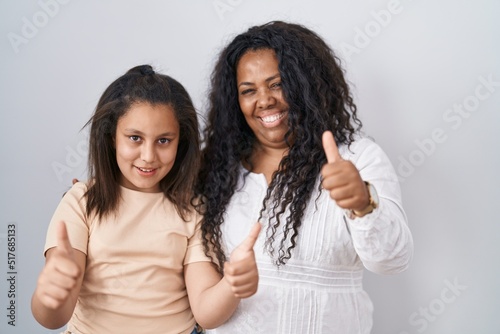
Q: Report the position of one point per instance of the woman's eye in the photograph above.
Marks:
(246, 91)
(276, 85)
(164, 140)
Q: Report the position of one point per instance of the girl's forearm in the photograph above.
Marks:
(216, 305)
(51, 318)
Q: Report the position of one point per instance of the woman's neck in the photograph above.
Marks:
(266, 160)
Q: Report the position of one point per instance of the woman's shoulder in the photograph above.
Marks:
(362, 144)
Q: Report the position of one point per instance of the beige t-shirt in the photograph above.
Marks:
(133, 280)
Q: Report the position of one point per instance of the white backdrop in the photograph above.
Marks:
(426, 77)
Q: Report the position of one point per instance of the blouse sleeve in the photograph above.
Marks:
(71, 210)
(382, 238)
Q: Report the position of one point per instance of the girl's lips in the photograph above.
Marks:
(146, 171)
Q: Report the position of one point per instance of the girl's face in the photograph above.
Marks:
(261, 98)
(146, 143)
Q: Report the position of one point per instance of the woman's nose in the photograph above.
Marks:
(265, 99)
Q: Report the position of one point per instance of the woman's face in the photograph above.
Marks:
(146, 143)
(261, 98)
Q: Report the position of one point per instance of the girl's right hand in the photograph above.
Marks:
(60, 274)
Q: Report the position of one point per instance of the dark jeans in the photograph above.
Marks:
(197, 330)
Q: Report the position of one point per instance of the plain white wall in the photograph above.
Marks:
(426, 77)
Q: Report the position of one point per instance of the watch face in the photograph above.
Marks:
(373, 195)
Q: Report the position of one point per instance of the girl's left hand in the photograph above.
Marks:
(241, 270)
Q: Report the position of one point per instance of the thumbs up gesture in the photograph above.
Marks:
(341, 178)
(60, 274)
(241, 270)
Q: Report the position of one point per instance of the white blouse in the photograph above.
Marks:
(319, 290)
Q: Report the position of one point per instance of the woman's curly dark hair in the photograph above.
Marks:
(318, 96)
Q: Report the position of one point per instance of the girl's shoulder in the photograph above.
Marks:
(77, 190)
(76, 197)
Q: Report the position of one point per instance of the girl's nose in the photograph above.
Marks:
(148, 153)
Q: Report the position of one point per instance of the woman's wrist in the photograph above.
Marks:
(373, 202)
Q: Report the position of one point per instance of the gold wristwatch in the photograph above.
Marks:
(372, 205)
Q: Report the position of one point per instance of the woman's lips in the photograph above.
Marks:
(273, 119)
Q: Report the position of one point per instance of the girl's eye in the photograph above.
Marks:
(164, 140)
(135, 138)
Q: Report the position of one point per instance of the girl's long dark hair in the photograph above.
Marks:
(319, 99)
(141, 84)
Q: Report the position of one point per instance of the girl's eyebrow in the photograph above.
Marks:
(246, 83)
(138, 132)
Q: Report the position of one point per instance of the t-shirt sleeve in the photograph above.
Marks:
(195, 252)
(71, 210)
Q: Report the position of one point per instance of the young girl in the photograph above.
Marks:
(123, 251)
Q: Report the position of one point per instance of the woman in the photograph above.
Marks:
(277, 95)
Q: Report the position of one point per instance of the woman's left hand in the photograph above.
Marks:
(341, 178)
